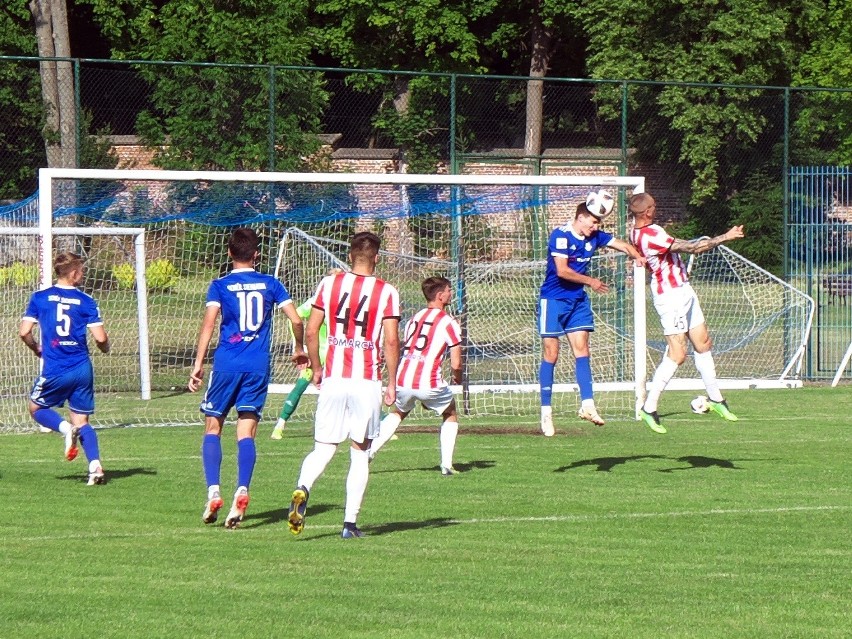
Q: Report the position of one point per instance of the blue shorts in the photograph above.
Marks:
(76, 386)
(244, 391)
(559, 317)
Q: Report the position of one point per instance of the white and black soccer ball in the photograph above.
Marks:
(600, 203)
(699, 405)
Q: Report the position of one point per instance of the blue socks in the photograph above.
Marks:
(545, 379)
(89, 441)
(584, 380)
(246, 457)
(48, 418)
(211, 458)
(584, 377)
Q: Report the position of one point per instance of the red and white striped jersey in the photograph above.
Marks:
(428, 336)
(355, 307)
(667, 269)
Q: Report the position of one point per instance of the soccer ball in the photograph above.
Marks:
(699, 405)
(600, 203)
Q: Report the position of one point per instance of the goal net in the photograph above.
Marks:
(488, 234)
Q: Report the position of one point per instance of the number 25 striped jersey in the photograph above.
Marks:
(428, 336)
(355, 307)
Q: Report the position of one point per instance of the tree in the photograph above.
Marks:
(218, 117)
(57, 81)
(823, 123)
(21, 143)
(747, 42)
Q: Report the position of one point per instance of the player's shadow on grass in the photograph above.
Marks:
(272, 517)
(464, 467)
(699, 461)
(112, 474)
(461, 467)
(392, 527)
(605, 464)
(402, 526)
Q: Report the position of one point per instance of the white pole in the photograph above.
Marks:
(640, 327)
(45, 223)
(142, 315)
(842, 366)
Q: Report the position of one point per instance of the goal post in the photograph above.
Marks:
(487, 233)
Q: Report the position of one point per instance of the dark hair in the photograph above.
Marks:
(243, 244)
(582, 209)
(364, 245)
(431, 286)
(66, 262)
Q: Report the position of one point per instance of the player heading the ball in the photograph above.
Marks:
(564, 307)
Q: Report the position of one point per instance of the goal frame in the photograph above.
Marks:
(638, 384)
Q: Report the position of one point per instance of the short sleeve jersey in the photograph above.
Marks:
(246, 300)
(578, 251)
(355, 307)
(668, 271)
(63, 314)
(428, 337)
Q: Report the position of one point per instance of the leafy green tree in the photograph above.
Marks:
(712, 131)
(21, 143)
(823, 119)
(215, 117)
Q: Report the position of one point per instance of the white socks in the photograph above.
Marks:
(356, 483)
(449, 430)
(706, 367)
(386, 430)
(315, 463)
(662, 376)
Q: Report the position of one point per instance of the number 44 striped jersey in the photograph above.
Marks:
(355, 307)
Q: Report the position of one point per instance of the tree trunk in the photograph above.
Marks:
(57, 82)
(540, 45)
(41, 11)
(65, 84)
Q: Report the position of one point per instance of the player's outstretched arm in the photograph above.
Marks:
(208, 324)
(628, 249)
(705, 244)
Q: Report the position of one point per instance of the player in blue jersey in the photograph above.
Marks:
(63, 314)
(246, 300)
(564, 307)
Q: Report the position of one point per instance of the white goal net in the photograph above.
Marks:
(488, 234)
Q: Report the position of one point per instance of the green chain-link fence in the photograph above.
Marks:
(713, 155)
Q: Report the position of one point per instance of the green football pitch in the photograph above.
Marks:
(713, 530)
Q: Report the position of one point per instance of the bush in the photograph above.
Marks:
(19, 274)
(124, 276)
(161, 275)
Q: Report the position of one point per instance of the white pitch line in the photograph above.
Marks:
(18, 540)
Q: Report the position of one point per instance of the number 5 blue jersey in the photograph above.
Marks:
(63, 314)
(247, 300)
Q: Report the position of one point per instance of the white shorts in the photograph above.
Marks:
(679, 310)
(436, 399)
(348, 408)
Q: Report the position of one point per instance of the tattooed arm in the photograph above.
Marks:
(706, 243)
